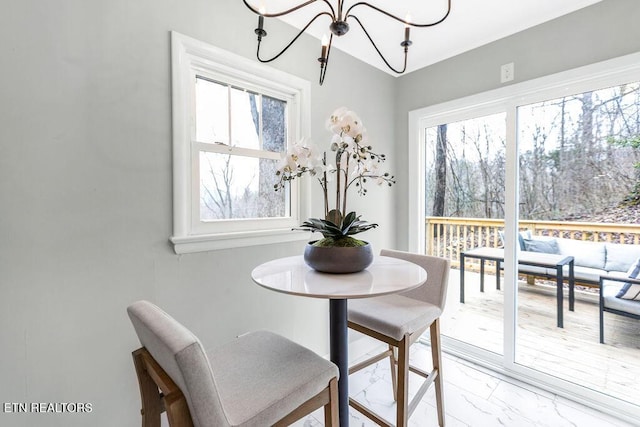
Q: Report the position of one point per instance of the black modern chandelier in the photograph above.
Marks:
(338, 27)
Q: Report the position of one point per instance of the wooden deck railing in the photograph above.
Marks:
(447, 237)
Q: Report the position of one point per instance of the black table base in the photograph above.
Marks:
(339, 342)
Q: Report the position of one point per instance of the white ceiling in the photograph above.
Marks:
(472, 23)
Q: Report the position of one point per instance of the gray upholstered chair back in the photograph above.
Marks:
(434, 290)
(181, 355)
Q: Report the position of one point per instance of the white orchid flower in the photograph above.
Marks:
(314, 154)
(335, 120)
(358, 162)
(352, 125)
(302, 154)
(348, 143)
(362, 137)
(285, 165)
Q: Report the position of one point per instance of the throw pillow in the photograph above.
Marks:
(544, 245)
(631, 291)
(522, 236)
(526, 234)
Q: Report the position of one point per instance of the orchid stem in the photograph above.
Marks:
(324, 186)
(344, 197)
(338, 164)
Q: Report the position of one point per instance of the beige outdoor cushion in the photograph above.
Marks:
(609, 292)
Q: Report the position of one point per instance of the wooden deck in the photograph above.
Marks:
(572, 353)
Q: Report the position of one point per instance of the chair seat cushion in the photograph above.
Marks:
(392, 315)
(609, 292)
(586, 274)
(262, 377)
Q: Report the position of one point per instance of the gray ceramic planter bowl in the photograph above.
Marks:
(338, 260)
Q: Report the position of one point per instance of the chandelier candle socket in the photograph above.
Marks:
(323, 53)
(356, 164)
(339, 27)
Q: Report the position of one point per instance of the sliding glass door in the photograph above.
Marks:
(524, 189)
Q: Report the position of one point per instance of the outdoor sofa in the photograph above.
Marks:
(591, 259)
(613, 268)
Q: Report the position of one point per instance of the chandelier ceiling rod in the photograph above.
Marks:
(338, 27)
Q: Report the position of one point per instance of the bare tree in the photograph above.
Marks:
(441, 171)
(580, 154)
(218, 199)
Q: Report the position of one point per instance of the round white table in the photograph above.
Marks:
(384, 276)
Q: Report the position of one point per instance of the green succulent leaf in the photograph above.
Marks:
(335, 216)
(351, 224)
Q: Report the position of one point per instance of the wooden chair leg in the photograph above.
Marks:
(152, 380)
(149, 393)
(177, 410)
(331, 418)
(436, 356)
(394, 371)
(403, 383)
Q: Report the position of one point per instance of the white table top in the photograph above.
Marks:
(385, 275)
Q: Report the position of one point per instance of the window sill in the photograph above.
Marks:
(212, 242)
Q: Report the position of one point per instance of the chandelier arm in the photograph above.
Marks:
(293, 9)
(325, 65)
(292, 41)
(413, 24)
(378, 50)
(333, 12)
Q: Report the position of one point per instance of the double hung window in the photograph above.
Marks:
(232, 120)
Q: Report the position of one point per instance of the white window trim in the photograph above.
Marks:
(591, 77)
(188, 56)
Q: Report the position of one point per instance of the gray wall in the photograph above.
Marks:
(85, 181)
(85, 185)
(603, 31)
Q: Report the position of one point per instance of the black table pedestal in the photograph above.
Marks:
(339, 342)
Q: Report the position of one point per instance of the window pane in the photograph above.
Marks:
(464, 203)
(579, 176)
(235, 187)
(465, 164)
(245, 119)
(212, 112)
(576, 153)
(274, 126)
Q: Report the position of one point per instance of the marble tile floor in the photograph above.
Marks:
(474, 396)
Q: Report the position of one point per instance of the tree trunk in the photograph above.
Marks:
(441, 171)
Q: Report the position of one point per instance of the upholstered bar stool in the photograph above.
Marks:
(260, 379)
(399, 320)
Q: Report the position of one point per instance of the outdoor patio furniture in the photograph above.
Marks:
(399, 320)
(259, 379)
(545, 261)
(611, 302)
(592, 259)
